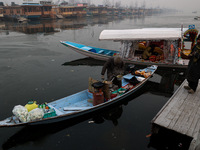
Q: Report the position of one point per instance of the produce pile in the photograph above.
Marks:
(143, 73)
(32, 111)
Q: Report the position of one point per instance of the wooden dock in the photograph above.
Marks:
(182, 114)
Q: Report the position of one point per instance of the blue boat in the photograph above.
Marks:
(94, 52)
(80, 104)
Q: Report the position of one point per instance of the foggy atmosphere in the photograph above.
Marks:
(183, 5)
(100, 74)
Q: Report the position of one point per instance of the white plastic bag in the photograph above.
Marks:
(35, 114)
(20, 112)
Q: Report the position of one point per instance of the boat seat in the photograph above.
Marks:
(101, 52)
(92, 50)
(86, 48)
(75, 108)
(109, 53)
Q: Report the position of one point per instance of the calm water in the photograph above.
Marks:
(31, 67)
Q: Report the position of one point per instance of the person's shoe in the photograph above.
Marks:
(187, 87)
(191, 91)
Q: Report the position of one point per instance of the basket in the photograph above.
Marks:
(117, 91)
(50, 113)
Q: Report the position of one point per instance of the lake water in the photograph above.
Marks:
(35, 66)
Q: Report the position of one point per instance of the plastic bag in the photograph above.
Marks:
(35, 114)
(20, 112)
(31, 105)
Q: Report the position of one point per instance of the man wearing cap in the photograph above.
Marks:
(114, 67)
(193, 70)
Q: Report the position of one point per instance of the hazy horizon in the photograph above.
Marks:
(185, 5)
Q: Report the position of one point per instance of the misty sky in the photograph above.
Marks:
(188, 5)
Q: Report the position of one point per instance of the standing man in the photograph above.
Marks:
(193, 70)
(114, 67)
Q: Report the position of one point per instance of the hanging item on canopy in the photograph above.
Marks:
(191, 34)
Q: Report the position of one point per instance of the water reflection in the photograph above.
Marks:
(52, 26)
(113, 115)
(169, 79)
(36, 133)
(169, 140)
(88, 61)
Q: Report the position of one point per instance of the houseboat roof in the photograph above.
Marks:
(142, 34)
(31, 4)
(73, 6)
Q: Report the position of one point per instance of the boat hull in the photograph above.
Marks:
(64, 107)
(77, 47)
(65, 117)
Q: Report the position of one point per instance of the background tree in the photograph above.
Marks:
(89, 2)
(106, 3)
(118, 4)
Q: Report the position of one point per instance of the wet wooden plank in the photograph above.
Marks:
(182, 114)
(163, 117)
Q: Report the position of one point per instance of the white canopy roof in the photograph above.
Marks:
(142, 34)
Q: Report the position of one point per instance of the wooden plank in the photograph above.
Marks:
(182, 114)
(180, 117)
(197, 125)
(183, 111)
(177, 115)
(168, 102)
(182, 121)
(176, 110)
(162, 119)
(161, 116)
(195, 142)
(196, 134)
(194, 115)
(189, 120)
(168, 111)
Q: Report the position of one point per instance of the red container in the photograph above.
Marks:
(113, 95)
(152, 58)
(98, 98)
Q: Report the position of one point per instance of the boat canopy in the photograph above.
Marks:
(142, 34)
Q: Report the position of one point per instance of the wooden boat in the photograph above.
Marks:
(94, 52)
(79, 104)
(169, 42)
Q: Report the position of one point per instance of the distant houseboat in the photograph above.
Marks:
(12, 12)
(102, 10)
(26, 10)
(96, 11)
(1, 14)
(92, 11)
(31, 10)
(47, 9)
(72, 11)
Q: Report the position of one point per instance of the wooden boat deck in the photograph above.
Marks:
(182, 114)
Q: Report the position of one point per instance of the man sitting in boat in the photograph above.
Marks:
(148, 52)
(153, 53)
(114, 67)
